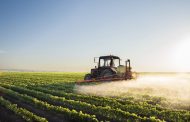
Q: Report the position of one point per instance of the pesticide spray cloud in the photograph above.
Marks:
(174, 87)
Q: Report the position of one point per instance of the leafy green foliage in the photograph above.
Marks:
(25, 114)
(53, 92)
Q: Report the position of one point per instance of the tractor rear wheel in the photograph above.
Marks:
(87, 77)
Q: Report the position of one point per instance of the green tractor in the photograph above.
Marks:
(110, 69)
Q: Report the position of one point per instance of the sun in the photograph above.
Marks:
(181, 55)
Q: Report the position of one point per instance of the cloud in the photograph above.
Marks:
(2, 51)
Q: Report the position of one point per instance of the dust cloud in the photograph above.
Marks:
(173, 87)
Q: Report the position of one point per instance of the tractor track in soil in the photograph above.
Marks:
(50, 116)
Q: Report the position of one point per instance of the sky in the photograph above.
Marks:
(65, 35)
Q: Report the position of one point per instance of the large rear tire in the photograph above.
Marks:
(87, 77)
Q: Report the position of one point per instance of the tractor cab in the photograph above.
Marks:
(108, 61)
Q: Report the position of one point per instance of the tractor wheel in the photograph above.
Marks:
(87, 77)
(106, 73)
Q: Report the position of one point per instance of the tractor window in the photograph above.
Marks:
(107, 62)
(101, 62)
(116, 62)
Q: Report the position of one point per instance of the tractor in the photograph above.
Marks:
(109, 69)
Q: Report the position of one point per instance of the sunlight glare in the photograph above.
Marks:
(181, 55)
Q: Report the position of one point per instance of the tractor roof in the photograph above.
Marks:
(109, 57)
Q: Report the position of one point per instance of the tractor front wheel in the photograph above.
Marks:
(87, 77)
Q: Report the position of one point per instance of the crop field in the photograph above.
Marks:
(56, 97)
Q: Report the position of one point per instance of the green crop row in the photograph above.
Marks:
(105, 113)
(71, 115)
(25, 114)
(61, 85)
(39, 78)
(142, 109)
